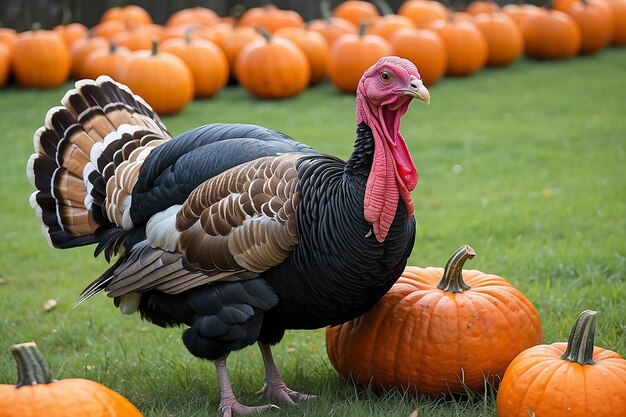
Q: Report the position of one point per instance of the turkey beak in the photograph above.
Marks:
(417, 90)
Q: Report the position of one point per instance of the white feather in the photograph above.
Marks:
(161, 229)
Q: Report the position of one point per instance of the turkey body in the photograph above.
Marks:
(338, 269)
(235, 232)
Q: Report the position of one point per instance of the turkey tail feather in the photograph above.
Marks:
(87, 158)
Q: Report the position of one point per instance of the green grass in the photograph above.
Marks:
(540, 194)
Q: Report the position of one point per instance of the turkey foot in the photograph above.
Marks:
(229, 405)
(274, 386)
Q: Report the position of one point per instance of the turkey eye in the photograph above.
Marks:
(385, 76)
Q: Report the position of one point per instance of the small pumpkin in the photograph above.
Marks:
(40, 59)
(425, 49)
(270, 18)
(105, 61)
(131, 16)
(504, 38)
(238, 38)
(437, 331)
(574, 379)
(550, 35)
(331, 27)
(8, 37)
(351, 55)
(108, 29)
(314, 47)
(38, 394)
(482, 6)
(272, 67)
(356, 11)
(386, 26)
(467, 47)
(596, 21)
(422, 12)
(207, 63)
(135, 39)
(619, 12)
(193, 16)
(160, 78)
(72, 32)
(80, 51)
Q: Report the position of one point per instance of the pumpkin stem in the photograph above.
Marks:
(362, 28)
(113, 48)
(452, 280)
(188, 33)
(264, 32)
(581, 339)
(35, 26)
(325, 10)
(155, 47)
(32, 368)
(385, 8)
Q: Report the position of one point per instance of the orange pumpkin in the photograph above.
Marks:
(134, 39)
(38, 394)
(239, 38)
(162, 79)
(351, 55)
(332, 28)
(80, 51)
(481, 6)
(72, 32)
(387, 25)
(272, 67)
(193, 16)
(270, 18)
(619, 12)
(550, 35)
(5, 64)
(131, 16)
(207, 62)
(504, 38)
(425, 49)
(314, 47)
(8, 37)
(105, 61)
(467, 47)
(437, 331)
(356, 11)
(596, 21)
(574, 379)
(422, 12)
(40, 59)
(108, 29)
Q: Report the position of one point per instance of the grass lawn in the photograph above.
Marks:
(527, 164)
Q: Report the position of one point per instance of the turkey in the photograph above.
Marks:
(236, 232)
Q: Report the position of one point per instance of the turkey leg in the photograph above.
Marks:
(228, 403)
(274, 386)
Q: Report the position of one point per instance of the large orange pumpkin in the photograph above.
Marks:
(162, 79)
(71, 32)
(314, 47)
(272, 67)
(40, 59)
(239, 38)
(351, 55)
(8, 37)
(550, 35)
(38, 394)
(504, 38)
(467, 47)
(437, 331)
(207, 63)
(573, 379)
(425, 49)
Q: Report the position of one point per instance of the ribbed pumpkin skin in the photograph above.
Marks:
(67, 397)
(551, 35)
(425, 49)
(40, 59)
(466, 45)
(540, 381)
(426, 340)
